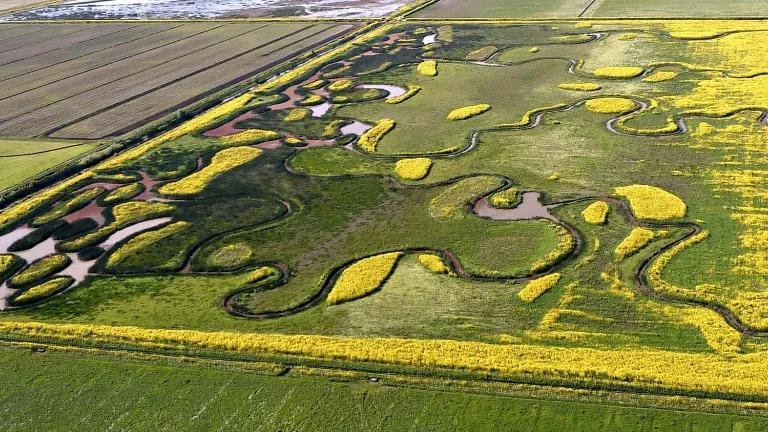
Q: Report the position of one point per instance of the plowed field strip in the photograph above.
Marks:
(34, 74)
(284, 40)
(47, 47)
(183, 92)
(155, 64)
(47, 33)
(29, 31)
(84, 57)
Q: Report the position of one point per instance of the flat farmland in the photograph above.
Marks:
(90, 81)
(592, 8)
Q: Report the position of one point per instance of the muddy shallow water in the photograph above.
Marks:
(529, 208)
(166, 9)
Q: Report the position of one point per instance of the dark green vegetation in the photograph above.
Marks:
(64, 391)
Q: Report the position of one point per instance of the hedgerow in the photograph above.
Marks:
(363, 277)
(370, 139)
(413, 169)
(652, 203)
(433, 263)
(142, 241)
(565, 245)
(123, 193)
(40, 269)
(123, 215)
(340, 85)
(224, 161)
(409, 93)
(610, 105)
(64, 208)
(618, 72)
(250, 137)
(466, 112)
(427, 68)
(596, 213)
(43, 290)
(637, 239)
(583, 86)
(535, 288)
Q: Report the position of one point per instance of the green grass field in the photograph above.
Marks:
(18, 164)
(65, 391)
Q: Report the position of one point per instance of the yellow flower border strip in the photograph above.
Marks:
(745, 374)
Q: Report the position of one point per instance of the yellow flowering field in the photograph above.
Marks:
(362, 277)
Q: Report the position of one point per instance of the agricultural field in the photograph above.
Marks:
(559, 221)
(90, 81)
(21, 159)
(592, 8)
(142, 393)
(170, 9)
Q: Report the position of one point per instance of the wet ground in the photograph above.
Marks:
(169, 9)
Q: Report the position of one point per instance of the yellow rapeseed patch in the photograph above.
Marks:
(535, 288)
(564, 246)
(413, 169)
(410, 92)
(583, 86)
(637, 239)
(39, 269)
(250, 136)
(637, 367)
(223, 161)
(363, 277)
(137, 244)
(427, 68)
(297, 114)
(652, 203)
(340, 85)
(466, 112)
(660, 76)
(610, 105)
(596, 213)
(43, 290)
(370, 139)
(618, 72)
(433, 263)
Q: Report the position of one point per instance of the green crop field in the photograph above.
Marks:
(21, 159)
(435, 220)
(125, 394)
